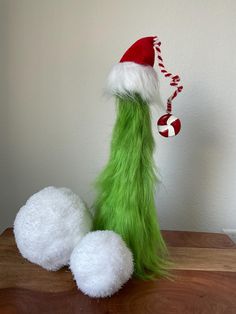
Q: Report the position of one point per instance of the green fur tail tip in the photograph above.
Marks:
(126, 187)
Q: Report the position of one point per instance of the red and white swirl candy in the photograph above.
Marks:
(168, 125)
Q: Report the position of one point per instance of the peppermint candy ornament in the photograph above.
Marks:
(168, 125)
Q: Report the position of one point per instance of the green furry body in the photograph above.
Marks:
(126, 186)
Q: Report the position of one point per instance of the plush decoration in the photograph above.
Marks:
(101, 264)
(125, 188)
(49, 226)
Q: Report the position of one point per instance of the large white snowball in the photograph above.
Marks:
(49, 226)
(101, 263)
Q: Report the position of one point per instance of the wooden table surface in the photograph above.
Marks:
(205, 282)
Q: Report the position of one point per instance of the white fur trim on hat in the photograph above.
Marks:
(128, 78)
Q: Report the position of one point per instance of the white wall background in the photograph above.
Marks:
(55, 126)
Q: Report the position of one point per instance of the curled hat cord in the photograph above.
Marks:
(175, 79)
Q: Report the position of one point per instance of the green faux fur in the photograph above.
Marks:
(125, 201)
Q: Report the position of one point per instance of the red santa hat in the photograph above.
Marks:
(135, 73)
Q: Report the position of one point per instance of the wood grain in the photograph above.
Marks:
(198, 239)
(27, 288)
(203, 259)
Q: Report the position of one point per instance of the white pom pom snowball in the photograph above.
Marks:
(101, 263)
(50, 225)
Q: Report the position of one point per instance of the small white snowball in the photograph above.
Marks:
(49, 226)
(101, 263)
